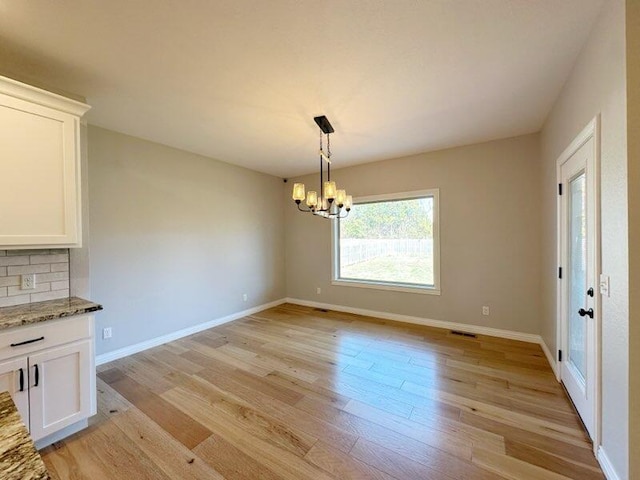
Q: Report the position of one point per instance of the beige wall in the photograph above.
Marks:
(490, 242)
(596, 86)
(177, 238)
(633, 162)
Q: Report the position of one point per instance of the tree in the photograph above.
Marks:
(392, 219)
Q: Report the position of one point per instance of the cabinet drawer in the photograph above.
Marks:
(44, 335)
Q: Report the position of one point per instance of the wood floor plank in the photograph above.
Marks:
(181, 426)
(228, 387)
(458, 446)
(394, 464)
(296, 393)
(342, 465)
(512, 468)
(174, 459)
(277, 459)
(232, 462)
(550, 461)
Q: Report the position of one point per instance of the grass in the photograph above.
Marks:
(413, 269)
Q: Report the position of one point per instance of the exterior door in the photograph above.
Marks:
(13, 379)
(60, 392)
(578, 289)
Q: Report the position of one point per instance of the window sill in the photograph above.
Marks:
(382, 286)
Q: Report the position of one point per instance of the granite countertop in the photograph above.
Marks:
(19, 459)
(42, 311)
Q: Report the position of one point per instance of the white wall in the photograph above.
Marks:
(489, 235)
(633, 163)
(596, 86)
(177, 238)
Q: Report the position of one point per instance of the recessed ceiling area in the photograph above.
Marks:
(241, 80)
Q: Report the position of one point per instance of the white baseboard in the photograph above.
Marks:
(606, 465)
(477, 329)
(169, 337)
(550, 358)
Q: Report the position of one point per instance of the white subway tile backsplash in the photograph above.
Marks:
(62, 285)
(21, 270)
(9, 281)
(41, 297)
(60, 267)
(40, 259)
(6, 261)
(51, 269)
(31, 251)
(52, 277)
(40, 287)
(17, 300)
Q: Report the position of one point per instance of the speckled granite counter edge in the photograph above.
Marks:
(31, 313)
(19, 458)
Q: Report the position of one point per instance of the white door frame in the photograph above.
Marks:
(592, 130)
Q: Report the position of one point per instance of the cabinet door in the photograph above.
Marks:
(60, 387)
(13, 379)
(39, 153)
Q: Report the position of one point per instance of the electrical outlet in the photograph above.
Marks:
(106, 333)
(28, 281)
(485, 310)
(318, 290)
(245, 297)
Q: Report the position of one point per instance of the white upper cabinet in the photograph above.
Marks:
(39, 168)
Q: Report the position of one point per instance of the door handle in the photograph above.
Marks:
(37, 375)
(582, 312)
(21, 380)
(590, 292)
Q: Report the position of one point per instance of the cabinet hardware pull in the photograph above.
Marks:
(37, 375)
(21, 380)
(26, 342)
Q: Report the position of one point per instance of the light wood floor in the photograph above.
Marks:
(293, 393)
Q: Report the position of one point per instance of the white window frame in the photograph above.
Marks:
(397, 287)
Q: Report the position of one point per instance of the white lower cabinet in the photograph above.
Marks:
(14, 379)
(53, 382)
(59, 394)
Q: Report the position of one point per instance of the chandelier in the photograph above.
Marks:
(328, 202)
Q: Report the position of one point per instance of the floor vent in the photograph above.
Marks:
(320, 310)
(463, 334)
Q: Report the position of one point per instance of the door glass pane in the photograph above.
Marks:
(578, 273)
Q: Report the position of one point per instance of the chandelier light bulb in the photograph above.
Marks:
(348, 202)
(298, 192)
(341, 196)
(312, 199)
(330, 190)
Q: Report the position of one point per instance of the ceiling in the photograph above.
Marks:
(241, 80)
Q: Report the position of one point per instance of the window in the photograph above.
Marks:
(389, 242)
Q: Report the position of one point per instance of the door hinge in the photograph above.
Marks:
(559, 355)
(559, 272)
(559, 189)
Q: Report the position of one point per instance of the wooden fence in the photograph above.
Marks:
(355, 250)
